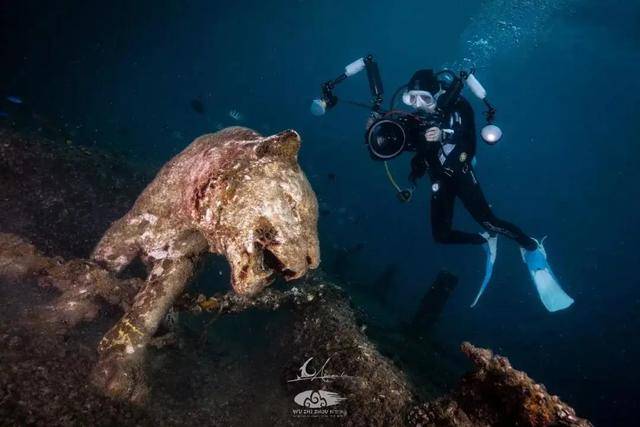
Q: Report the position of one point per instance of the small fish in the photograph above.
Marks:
(331, 176)
(14, 99)
(235, 115)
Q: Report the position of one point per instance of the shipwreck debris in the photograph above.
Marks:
(325, 326)
(496, 394)
(44, 377)
(434, 300)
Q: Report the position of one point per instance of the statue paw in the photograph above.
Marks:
(120, 377)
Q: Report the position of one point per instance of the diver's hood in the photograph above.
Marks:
(424, 80)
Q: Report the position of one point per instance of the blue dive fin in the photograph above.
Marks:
(551, 294)
(491, 248)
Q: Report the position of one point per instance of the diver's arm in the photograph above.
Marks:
(418, 168)
(372, 118)
(465, 132)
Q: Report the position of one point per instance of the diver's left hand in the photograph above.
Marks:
(372, 118)
(433, 134)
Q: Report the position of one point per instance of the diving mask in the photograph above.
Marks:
(419, 99)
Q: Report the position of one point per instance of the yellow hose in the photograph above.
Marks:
(393, 181)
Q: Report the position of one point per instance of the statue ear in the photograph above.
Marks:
(285, 144)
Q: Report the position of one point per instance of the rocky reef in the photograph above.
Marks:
(322, 326)
(79, 283)
(62, 196)
(495, 394)
(229, 359)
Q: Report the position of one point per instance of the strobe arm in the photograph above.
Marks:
(329, 99)
(327, 91)
(490, 114)
(480, 92)
(491, 134)
(375, 83)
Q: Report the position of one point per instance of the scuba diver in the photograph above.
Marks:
(447, 154)
(440, 130)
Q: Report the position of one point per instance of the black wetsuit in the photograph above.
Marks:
(448, 164)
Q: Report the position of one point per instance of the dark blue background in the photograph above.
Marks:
(565, 80)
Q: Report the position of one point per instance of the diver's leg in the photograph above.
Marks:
(442, 202)
(472, 197)
(119, 371)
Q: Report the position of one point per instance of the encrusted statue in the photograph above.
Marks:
(234, 193)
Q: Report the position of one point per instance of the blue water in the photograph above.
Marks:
(563, 75)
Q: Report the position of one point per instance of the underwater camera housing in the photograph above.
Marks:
(387, 136)
(397, 131)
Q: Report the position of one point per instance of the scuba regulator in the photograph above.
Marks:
(390, 133)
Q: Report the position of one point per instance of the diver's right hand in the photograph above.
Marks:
(433, 134)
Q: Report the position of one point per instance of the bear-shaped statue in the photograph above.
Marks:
(234, 193)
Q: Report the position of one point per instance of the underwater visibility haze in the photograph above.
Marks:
(101, 103)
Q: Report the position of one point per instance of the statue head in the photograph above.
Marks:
(263, 212)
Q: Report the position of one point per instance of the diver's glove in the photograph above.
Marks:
(372, 118)
(433, 134)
